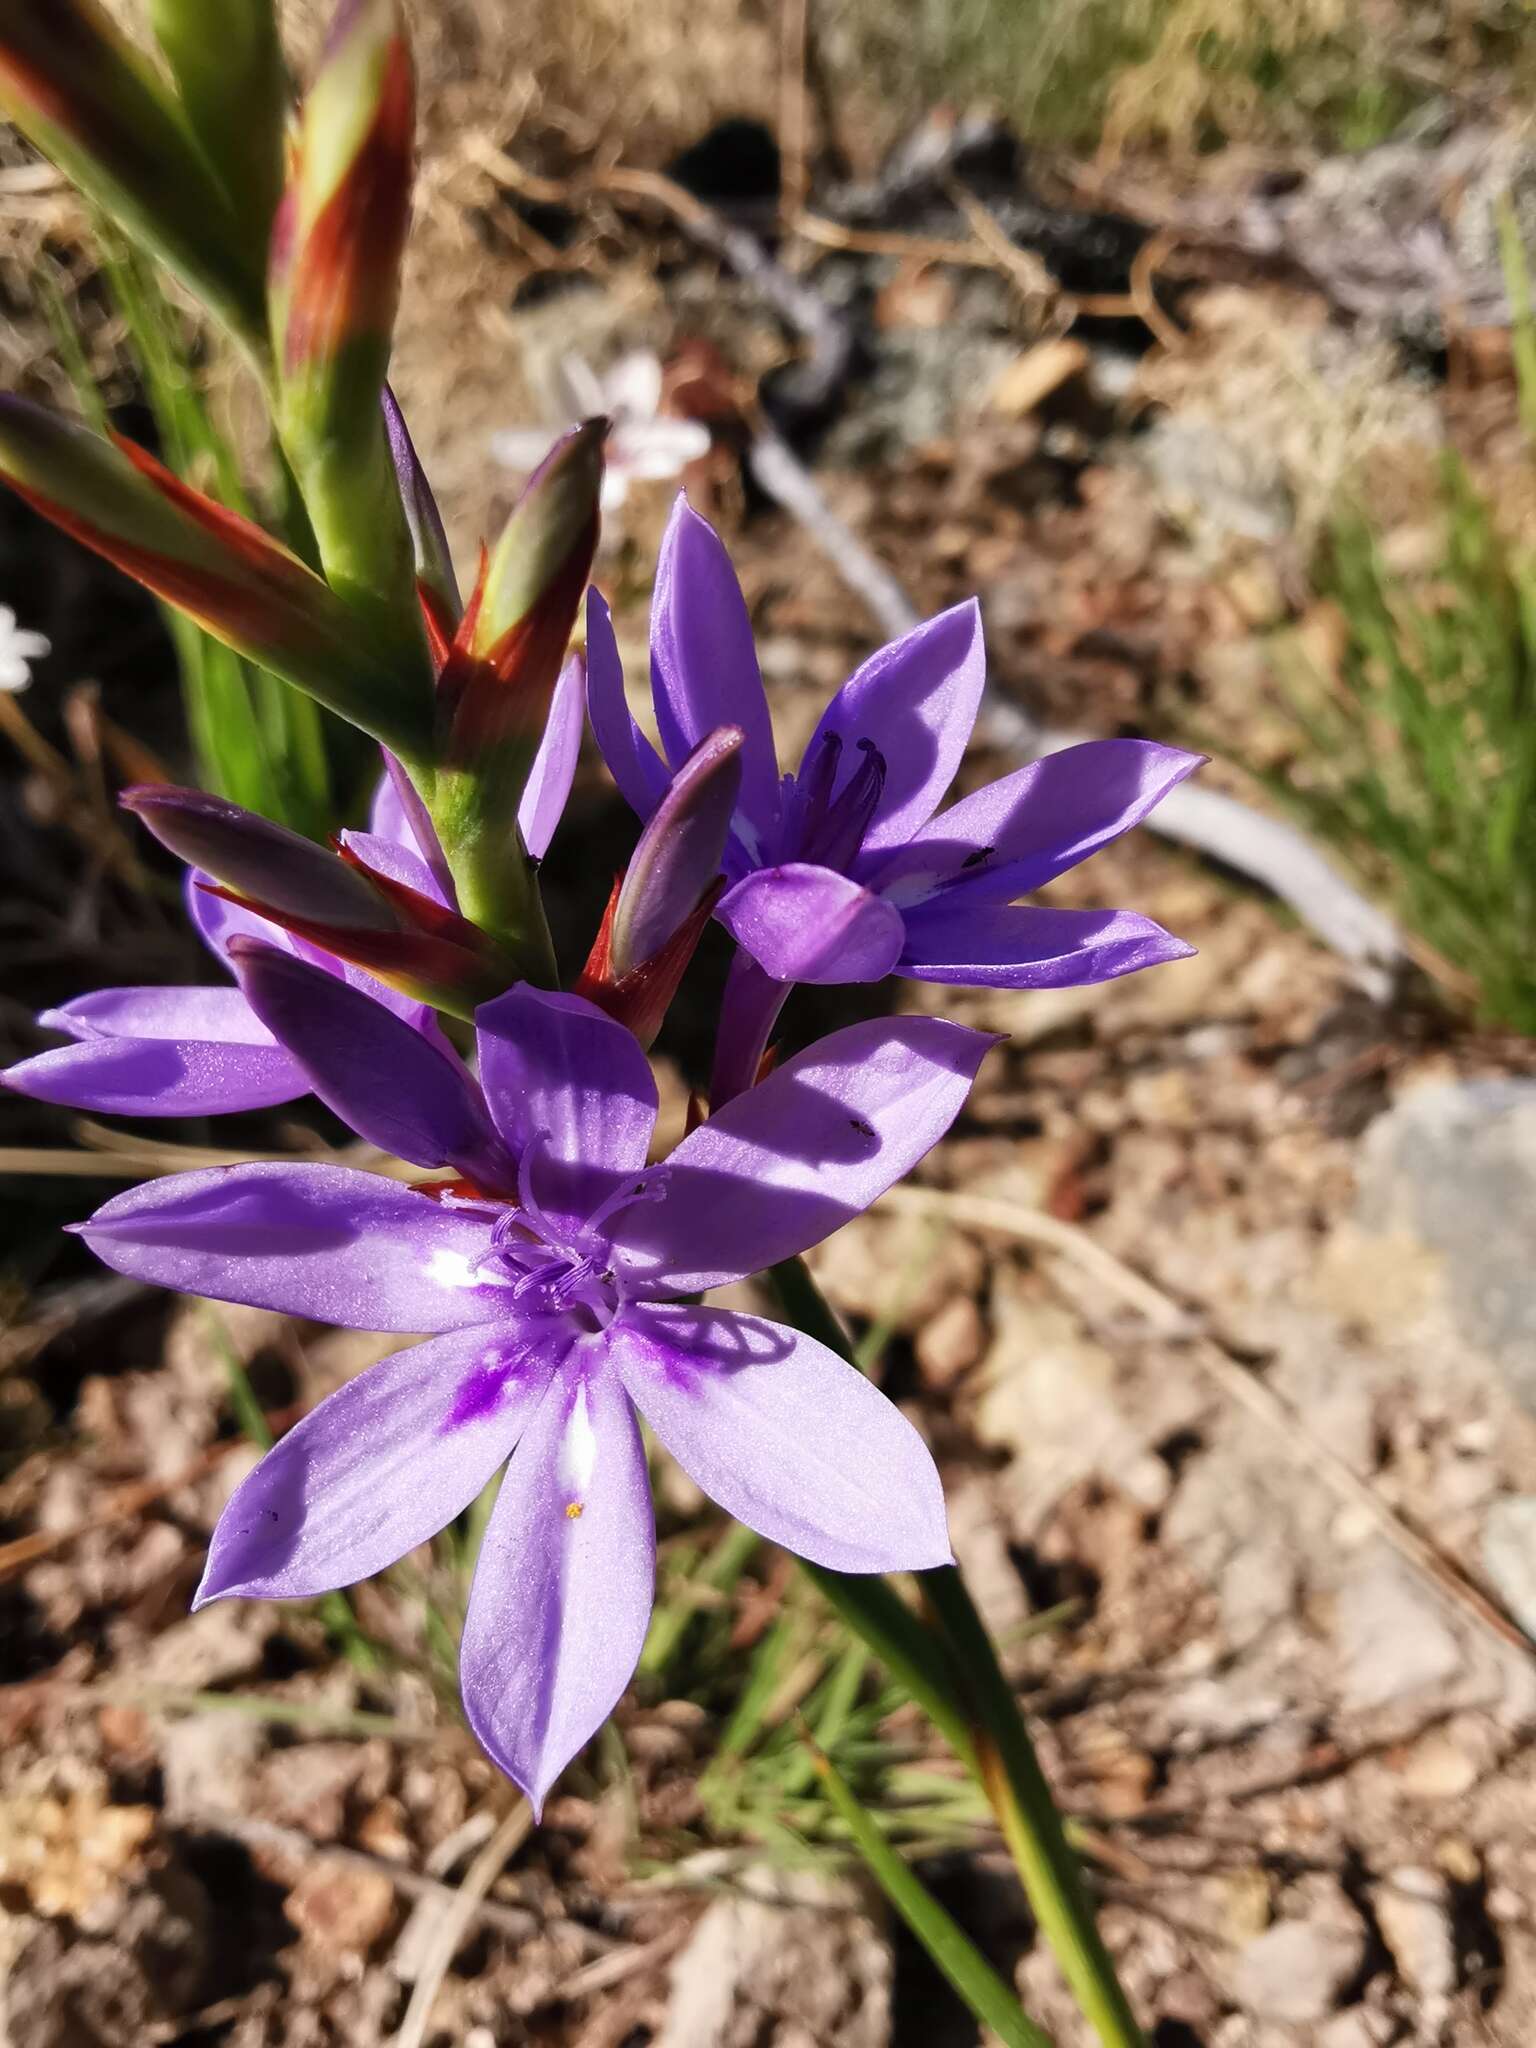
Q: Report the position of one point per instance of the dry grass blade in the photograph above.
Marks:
(459, 1913)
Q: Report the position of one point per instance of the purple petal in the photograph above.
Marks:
(995, 947)
(1017, 833)
(791, 1160)
(380, 1466)
(160, 1077)
(406, 1093)
(805, 923)
(563, 1589)
(704, 669)
(786, 1436)
(429, 543)
(217, 921)
(550, 777)
(397, 860)
(634, 764)
(222, 1016)
(678, 855)
(318, 1241)
(160, 1052)
(555, 1065)
(399, 815)
(916, 701)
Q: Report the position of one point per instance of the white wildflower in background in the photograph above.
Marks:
(644, 445)
(18, 650)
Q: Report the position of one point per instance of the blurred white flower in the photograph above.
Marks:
(644, 443)
(18, 650)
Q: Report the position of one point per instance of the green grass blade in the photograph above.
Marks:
(953, 1952)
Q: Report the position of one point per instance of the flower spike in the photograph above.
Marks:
(333, 286)
(224, 571)
(79, 90)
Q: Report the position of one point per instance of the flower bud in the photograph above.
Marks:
(436, 584)
(335, 900)
(225, 572)
(234, 91)
(658, 910)
(679, 853)
(333, 286)
(82, 94)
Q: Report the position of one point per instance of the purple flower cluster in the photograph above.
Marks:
(552, 1265)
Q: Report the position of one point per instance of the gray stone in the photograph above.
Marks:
(1297, 1970)
(1454, 1165)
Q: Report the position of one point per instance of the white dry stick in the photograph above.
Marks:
(1264, 849)
(458, 1916)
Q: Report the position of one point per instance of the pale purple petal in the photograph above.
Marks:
(1018, 833)
(399, 815)
(555, 1065)
(160, 1077)
(634, 764)
(324, 1242)
(550, 777)
(222, 1016)
(992, 946)
(786, 1163)
(429, 543)
(786, 1436)
(380, 1466)
(704, 669)
(397, 860)
(563, 1589)
(217, 921)
(805, 923)
(916, 702)
(407, 1093)
(160, 1052)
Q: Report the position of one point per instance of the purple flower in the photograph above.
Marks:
(548, 1276)
(190, 1051)
(841, 872)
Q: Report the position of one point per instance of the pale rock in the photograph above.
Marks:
(1509, 1555)
(1297, 1970)
(1454, 1164)
(897, 1269)
(1393, 1639)
(1413, 1914)
(950, 1342)
(206, 1762)
(208, 1648)
(1061, 1405)
(770, 1965)
(1438, 1767)
(980, 1544)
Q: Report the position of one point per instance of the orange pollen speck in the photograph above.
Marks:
(573, 1511)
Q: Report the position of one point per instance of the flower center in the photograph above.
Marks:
(561, 1265)
(826, 824)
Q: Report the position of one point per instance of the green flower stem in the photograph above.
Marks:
(952, 1671)
(972, 1976)
(1016, 1788)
